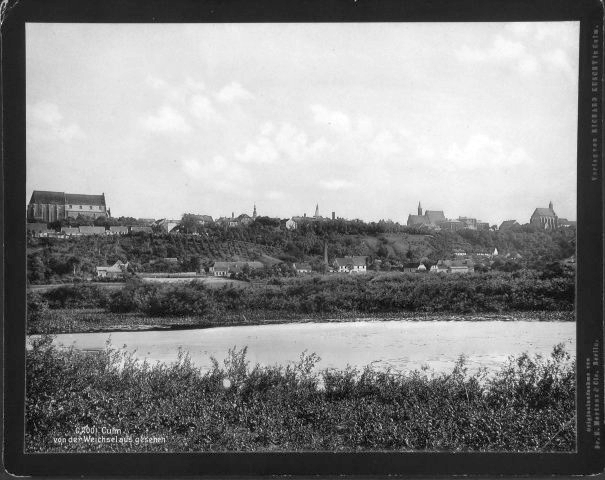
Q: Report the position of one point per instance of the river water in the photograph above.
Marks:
(397, 344)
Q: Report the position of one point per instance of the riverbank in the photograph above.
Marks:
(57, 321)
(527, 406)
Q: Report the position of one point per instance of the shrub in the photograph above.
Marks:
(528, 405)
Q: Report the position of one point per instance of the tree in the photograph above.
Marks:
(189, 223)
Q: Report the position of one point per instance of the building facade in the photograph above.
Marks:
(545, 218)
(48, 207)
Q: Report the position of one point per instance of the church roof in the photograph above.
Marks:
(435, 216)
(544, 212)
(508, 224)
(81, 199)
(61, 198)
(46, 197)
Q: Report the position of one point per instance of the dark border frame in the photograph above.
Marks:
(589, 296)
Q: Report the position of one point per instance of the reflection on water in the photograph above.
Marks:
(400, 345)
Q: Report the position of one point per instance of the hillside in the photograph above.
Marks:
(58, 260)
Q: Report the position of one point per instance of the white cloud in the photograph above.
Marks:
(365, 126)
(46, 122)
(194, 85)
(336, 184)
(155, 82)
(232, 93)
(262, 151)
(483, 152)
(385, 144)
(502, 51)
(332, 118)
(559, 60)
(524, 50)
(166, 120)
(217, 174)
(424, 150)
(201, 108)
(274, 195)
(284, 143)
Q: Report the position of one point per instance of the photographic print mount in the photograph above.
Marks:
(588, 457)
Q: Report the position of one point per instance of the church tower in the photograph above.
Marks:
(254, 212)
(550, 205)
(316, 211)
(419, 209)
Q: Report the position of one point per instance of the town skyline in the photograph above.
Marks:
(365, 120)
(317, 212)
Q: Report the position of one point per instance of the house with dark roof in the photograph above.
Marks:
(506, 224)
(413, 267)
(355, 264)
(545, 218)
(453, 266)
(47, 206)
(85, 230)
(117, 231)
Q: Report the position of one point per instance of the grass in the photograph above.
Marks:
(528, 405)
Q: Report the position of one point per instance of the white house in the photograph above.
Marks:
(114, 271)
(351, 264)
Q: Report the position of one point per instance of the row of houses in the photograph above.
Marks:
(42, 230)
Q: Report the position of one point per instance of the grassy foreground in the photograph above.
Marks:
(110, 401)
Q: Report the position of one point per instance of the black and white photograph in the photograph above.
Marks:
(301, 237)
(294, 237)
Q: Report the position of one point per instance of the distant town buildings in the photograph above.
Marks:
(45, 206)
(294, 222)
(436, 220)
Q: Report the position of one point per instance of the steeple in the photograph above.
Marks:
(254, 212)
(550, 205)
(316, 211)
(419, 209)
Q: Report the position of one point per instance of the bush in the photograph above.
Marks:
(528, 405)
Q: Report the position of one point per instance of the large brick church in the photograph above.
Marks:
(51, 206)
(545, 218)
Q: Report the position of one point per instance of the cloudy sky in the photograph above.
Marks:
(364, 119)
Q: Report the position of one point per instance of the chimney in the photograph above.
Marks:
(232, 214)
(333, 215)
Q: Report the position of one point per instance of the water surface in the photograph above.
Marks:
(397, 344)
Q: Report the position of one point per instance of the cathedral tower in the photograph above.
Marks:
(419, 209)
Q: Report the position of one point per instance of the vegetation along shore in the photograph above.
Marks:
(527, 405)
(139, 305)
